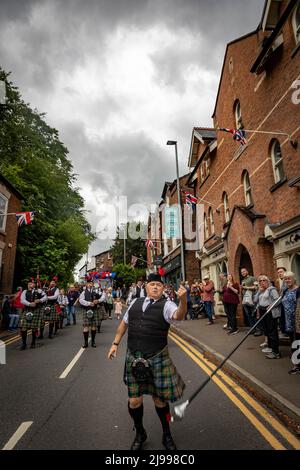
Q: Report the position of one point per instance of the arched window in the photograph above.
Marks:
(277, 161)
(226, 207)
(296, 23)
(206, 231)
(247, 189)
(211, 221)
(238, 115)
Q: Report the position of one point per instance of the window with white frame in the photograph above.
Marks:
(211, 221)
(207, 166)
(238, 115)
(206, 231)
(247, 189)
(226, 208)
(3, 210)
(277, 161)
(296, 23)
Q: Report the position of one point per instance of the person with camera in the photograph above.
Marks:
(93, 312)
(31, 317)
(149, 369)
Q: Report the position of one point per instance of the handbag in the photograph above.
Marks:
(141, 369)
(248, 299)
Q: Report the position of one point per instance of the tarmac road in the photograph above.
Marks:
(88, 408)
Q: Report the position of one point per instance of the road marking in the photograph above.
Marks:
(284, 432)
(17, 435)
(273, 441)
(72, 363)
(17, 337)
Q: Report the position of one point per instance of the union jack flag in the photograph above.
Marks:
(149, 244)
(133, 260)
(238, 134)
(190, 200)
(24, 218)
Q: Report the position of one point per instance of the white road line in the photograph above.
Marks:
(72, 363)
(17, 435)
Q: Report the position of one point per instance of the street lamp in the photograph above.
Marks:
(174, 142)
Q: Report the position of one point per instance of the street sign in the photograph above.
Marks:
(172, 222)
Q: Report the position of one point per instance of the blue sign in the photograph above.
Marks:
(172, 222)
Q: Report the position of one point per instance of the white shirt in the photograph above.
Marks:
(26, 303)
(169, 310)
(86, 303)
(56, 294)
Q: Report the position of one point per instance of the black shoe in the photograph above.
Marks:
(23, 347)
(93, 345)
(258, 333)
(168, 442)
(139, 439)
(32, 346)
(41, 337)
(51, 337)
(85, 345)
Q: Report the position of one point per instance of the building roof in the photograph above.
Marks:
(200, 135)
(102, 253)
(269, 41)
(11, 187)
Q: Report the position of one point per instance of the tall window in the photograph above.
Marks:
(277, 161)
(206, 231)
(247, 189)
(238, 115)
(3, 210)
(211, 221)
(296, 23)
(226, 208)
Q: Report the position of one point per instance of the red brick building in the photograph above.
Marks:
(104, 261)
(251, 193)
(10, 203)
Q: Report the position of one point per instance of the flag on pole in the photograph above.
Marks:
(190, 200)
(24, 218)
(238, 134)
(149, 244)
(133, 260)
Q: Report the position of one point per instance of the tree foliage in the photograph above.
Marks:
(135, 244)
(36, 162)
(126, 274)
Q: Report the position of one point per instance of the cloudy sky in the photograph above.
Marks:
(118, 78)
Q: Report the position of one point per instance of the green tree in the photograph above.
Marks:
(36, 162)
(126, 274)
(135, 246)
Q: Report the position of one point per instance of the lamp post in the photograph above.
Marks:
(125, 233)
(174, 142)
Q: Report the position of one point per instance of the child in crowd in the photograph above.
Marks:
(118, 307)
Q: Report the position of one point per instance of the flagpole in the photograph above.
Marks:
(252, 131)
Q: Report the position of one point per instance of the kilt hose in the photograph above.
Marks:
(94, 322)
(52, 316)
(165, 384)
(36, 321)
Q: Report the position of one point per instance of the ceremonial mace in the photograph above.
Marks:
(179, 410)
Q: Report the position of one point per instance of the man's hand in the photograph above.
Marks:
(112, 352)
(182, 293)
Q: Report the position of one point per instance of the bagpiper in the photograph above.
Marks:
(93, 313)
(31, 316)
(50, 311)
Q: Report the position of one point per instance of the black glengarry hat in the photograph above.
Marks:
(153, 277)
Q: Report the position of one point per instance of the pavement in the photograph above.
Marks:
(267, 379)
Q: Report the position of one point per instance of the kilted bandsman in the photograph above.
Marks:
(148, 366)
(31, 317)
(93, 313)
(50, 312)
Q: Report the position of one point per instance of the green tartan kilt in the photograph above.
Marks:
(166, 384)
(35, 323)
(96, 320)
(52, 316)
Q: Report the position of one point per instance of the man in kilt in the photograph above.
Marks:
(93, 313)
(31, 316)
(50, 313)
(148, 366)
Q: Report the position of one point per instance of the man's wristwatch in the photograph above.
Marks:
(115, 344)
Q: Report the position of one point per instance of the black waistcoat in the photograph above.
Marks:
(32, 295)
(50, 293)
(147, 331)
(90, 296)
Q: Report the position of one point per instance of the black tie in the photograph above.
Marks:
(149, 304)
